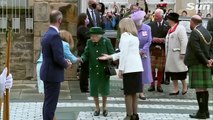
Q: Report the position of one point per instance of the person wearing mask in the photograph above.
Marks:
(130, 66)
(99, 79)
(159, 31)
(53, 65)
(184, 13)
(175, 44)
(93, 14)
(145, 38)
(101, 9)
(199, 59)
(82, 38)
(109, 21)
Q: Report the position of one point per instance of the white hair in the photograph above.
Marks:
(159, 11)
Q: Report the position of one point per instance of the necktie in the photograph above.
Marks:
(93, 18)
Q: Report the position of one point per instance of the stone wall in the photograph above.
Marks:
(21, 53)
(26, 47)
(42, 9)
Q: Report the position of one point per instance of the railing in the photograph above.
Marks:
(19, 12)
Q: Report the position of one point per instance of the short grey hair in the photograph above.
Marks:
(55, 15)
(159, 11)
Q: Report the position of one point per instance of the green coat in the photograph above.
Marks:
(99, 81)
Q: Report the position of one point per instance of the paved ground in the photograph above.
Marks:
(26, 103)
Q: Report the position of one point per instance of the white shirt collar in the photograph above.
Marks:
(55, 28)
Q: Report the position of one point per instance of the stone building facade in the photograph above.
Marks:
(26, 46)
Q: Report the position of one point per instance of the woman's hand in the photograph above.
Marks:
(105, 57)
(120, 74)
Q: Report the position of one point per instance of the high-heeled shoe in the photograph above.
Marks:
(183, 93)
(174, 93)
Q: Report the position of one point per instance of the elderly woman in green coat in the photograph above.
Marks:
(99, 80)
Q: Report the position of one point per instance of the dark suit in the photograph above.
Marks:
(52, 71)
(158, 49)
(210, 26)
(97, 17)
(198, 52)
(210, 29)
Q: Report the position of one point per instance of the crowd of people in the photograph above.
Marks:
(158, 51)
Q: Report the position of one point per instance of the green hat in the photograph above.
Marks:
(96, 30)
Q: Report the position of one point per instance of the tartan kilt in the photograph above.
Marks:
(158, 58)
(200, 77)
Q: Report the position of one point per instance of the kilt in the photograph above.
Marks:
(158, 58)
(200, 77)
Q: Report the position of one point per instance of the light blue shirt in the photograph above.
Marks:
(67, 54)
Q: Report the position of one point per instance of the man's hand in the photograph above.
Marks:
(158, 40)
(69, 63)
(162, 40)
(209, 63)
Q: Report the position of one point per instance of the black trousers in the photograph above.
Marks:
(84, 75)
(51, 95)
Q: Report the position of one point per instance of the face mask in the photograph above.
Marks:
(94, 6)
(87, 21)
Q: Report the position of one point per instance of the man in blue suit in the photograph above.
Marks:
(52, 69)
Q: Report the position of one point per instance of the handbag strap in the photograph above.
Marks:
(203, 38)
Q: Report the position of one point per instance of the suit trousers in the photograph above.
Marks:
(51, 95)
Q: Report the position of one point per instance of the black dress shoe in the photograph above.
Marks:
(151, 88)
(105, 113)
(198, 115)
(159, 89)
(177, 93)
(96, 113)
(207, 115)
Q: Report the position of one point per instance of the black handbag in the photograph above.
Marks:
(110, 70)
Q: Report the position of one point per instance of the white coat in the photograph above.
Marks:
(129, 55)
(176, 43)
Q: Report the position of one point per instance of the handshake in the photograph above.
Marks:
(6, 82)
(210, 63)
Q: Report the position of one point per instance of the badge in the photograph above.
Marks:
(144, 33)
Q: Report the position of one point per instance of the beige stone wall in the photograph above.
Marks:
(42, 9)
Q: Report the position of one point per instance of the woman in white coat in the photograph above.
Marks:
(176, 42)
(130, 66)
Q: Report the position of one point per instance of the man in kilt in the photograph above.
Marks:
(159, 31)
(198, 58)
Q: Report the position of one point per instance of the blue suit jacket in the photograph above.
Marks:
(52, 69)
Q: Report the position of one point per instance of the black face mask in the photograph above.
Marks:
(94, 6)
(110, 17)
